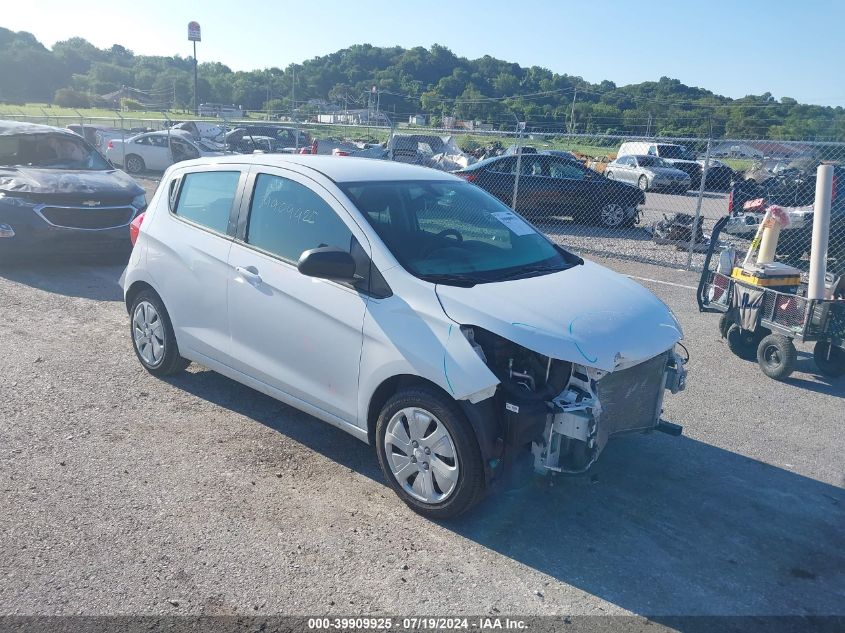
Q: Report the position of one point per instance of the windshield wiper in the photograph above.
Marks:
(452, 279)
(529, 270)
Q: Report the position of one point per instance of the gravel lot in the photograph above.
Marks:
(123, 493)
(126, 494)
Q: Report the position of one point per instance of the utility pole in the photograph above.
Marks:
(267, 103)
(293, 106)
(572, 116)
(292, 92)
(520, 126)
(648, 127)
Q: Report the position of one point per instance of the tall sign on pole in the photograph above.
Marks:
(195, 35)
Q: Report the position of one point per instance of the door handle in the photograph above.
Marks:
(250, 273)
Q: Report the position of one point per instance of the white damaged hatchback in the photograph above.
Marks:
(405, 306)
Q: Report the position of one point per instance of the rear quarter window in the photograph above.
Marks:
(206, 198)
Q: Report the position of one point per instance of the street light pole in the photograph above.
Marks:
(195, 35)
(196, 103)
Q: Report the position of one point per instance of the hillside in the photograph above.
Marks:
(432, 81)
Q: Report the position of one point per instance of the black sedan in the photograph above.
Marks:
(557, 186)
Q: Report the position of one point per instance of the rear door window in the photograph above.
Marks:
(566, 169)
(206, 198)
(531, 166)
(506, 166)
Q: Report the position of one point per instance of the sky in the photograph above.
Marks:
(791, 48)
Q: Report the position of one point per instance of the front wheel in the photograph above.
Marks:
(612, 215)
(830, 359)
(608, 175)
(776, 355)
(643, 183)
(429, 453)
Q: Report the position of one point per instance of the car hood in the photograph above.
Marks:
(586, 314)
(68, 185)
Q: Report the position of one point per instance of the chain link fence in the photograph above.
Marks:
(649, 199)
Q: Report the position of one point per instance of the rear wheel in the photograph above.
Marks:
(830, 359)
(152, 336)
(643, 183)
(134, 164)
(776, 355)
(429, 453)
(744, 343)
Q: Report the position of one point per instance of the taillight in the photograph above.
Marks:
(731, 203)
(467, 175)
(135, 228)
(110, 145)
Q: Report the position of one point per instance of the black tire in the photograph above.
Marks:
(744, 343)
(471, 480)
(830, 359)
(134, 164)
(608, 175)
(170, 362)
(776, 356)
(724, 325)
(642, 183)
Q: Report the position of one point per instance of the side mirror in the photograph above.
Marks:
(327, 262)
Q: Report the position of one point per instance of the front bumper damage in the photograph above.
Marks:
(595, 406)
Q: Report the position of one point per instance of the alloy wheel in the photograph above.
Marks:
(134, 165)
(612, 215)
(421, 454)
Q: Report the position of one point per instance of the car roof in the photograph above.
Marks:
(341, 169)
(23, 127)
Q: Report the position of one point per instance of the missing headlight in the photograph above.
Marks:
(523, 374)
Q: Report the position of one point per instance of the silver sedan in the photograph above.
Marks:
(649, 173)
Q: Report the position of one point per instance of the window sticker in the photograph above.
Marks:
(515, 224)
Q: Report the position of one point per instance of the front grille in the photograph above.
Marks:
(629, 397)
(89, 219)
